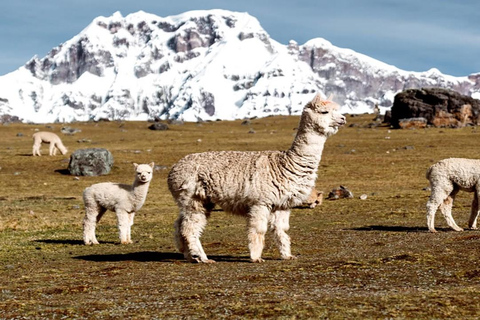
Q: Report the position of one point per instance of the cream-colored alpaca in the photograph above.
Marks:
(123, 199)
(315, 198)
(261, 186)
(47, 137)
(447, 177)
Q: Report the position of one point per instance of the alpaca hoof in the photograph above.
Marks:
(259, 260)
(126, 241)
(458, 229)
(290, 258)
(432, 231)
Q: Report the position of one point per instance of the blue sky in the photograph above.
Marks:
(409, 34)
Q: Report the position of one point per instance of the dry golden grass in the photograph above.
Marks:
(368, 258)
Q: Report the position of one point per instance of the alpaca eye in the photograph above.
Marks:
(324, 112)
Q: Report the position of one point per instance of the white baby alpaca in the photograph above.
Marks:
(447, 177)
(47, 137)
(123, 199)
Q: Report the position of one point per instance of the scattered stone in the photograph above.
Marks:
(90, 162)
(158, 126)
(251, 131)
(70, 131)
(409, 147)
(340, 193)
(19, 134)
(427, 189)
(76, 178)
(160, 167)
(84, 141)
(246, 122)
(363, 197)
(175, 122)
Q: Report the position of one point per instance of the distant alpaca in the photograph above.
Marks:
(261, 185)
(47, 137)
(123, 199)
(447, 177)
(314, 199)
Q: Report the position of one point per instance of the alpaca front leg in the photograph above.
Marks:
(436, 199)
(123, 225)
(131, 216)
(257, 227)
(52, 149)
(189, 227)
(472, 222)
(279, 222)
(446, 209)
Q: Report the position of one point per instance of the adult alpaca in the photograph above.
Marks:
(123, 199)
(262, 186)
(47, 137)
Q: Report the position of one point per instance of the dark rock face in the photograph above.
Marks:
(440, 107)
(90, 162)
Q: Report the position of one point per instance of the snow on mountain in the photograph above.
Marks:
(200, 65)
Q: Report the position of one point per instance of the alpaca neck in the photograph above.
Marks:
(307, 147)
(139, 192)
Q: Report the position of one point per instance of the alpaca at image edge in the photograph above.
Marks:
(260, 185)
(125, 200)
(447, 177)
(47, 137)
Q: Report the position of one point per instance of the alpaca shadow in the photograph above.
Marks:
(55, 241)
(397, 229)
(70, 242)
(152, 256)
(64, 172)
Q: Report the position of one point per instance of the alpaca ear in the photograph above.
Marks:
(135, 165)
(151, 164)
(317, 100)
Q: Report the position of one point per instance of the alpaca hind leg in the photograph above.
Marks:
(189, 227)
(446, 210)
(436, 199)
(123, 221)
(279, 223)
(36, 149)
(472, 222)
(93, 213)
(257, 227)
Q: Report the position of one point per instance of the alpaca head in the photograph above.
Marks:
(144, 172)
(62, 149)
(322, 116)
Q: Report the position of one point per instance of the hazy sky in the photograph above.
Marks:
(410, 34)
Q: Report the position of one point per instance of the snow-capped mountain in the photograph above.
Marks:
(200, 65)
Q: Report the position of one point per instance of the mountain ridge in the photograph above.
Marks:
(199, 65)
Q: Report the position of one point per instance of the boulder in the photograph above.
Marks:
(439, 107)
(90, 162)
(158, 126)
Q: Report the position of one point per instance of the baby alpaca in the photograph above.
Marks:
(47, 137)
(447, 177)
(123, 199)
(262, 186)
(315, 198)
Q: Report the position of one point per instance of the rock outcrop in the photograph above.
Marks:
(439, 107)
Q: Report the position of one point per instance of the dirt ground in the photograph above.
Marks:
(363, 259)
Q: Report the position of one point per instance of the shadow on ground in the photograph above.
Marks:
(152, 256)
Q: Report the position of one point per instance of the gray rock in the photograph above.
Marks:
(90, 162)
(158, 126)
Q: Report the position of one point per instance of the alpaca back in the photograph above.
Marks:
(109, 195)
(460, 171)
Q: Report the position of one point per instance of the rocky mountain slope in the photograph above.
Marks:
(200, 65)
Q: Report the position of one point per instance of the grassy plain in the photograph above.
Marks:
(370, 259)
